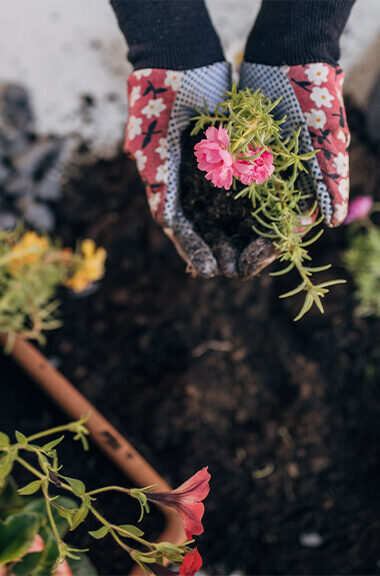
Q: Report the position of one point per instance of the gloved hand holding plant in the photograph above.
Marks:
(248, 152)
(178, 64)
(291, 58)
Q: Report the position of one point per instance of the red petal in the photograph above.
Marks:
(191, 516)
(191, 564)
(198, 484)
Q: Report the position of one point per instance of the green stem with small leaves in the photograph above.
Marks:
(50, 475)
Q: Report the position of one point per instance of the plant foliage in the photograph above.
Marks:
(32, 267)
(40, 508)
(362, 260)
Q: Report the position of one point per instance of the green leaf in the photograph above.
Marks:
(28, 564)
(299, 288)
(16, 535)
(170, 551)
(80, 516)
(10, 500)
(283, 271)
(21, 439)
(30, 488)
(38, 506)
(6, 465)
(66, 515)
(71, 552)
(306, 307)
(143, 558)
(77, 486)
(100, 533)
(4, 440)
(131, 530)
(51, 445)
(43, 461)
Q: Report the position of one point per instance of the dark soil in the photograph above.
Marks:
(214, 372)
(214, 211)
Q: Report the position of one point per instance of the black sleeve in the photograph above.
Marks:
(298, 32)
(170, 34)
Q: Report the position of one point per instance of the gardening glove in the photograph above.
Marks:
(161, 104)
(292, 53)
(179, 65)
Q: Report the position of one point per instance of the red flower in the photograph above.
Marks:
(187, 499)
(191, 564)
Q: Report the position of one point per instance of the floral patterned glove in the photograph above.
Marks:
(161, 104)
(311, 97)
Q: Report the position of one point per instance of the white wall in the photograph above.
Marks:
(63, 49)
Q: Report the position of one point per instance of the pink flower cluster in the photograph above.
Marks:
(221, 166)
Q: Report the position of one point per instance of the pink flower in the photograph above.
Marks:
(191, 564)
(359, 208)
(214, 158)
(257, 171)
(187, 499)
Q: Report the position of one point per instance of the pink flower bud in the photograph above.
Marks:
(359, 208)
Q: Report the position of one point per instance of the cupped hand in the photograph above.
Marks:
(311, 98)
(161, 105)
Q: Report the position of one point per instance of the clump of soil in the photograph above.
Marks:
(214, 211)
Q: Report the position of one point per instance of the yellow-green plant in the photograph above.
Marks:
(32, 267)
(362, 260)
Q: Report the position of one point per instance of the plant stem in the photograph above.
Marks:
(34, 471)
(50, 515)
(105, 522)
(109, 489)
(29, 467)
(56, 430)
(120, 542)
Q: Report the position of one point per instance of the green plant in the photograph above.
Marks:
(32, 267)
(53, 515)
(279, 212)
(21, 520)
(362, 260)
